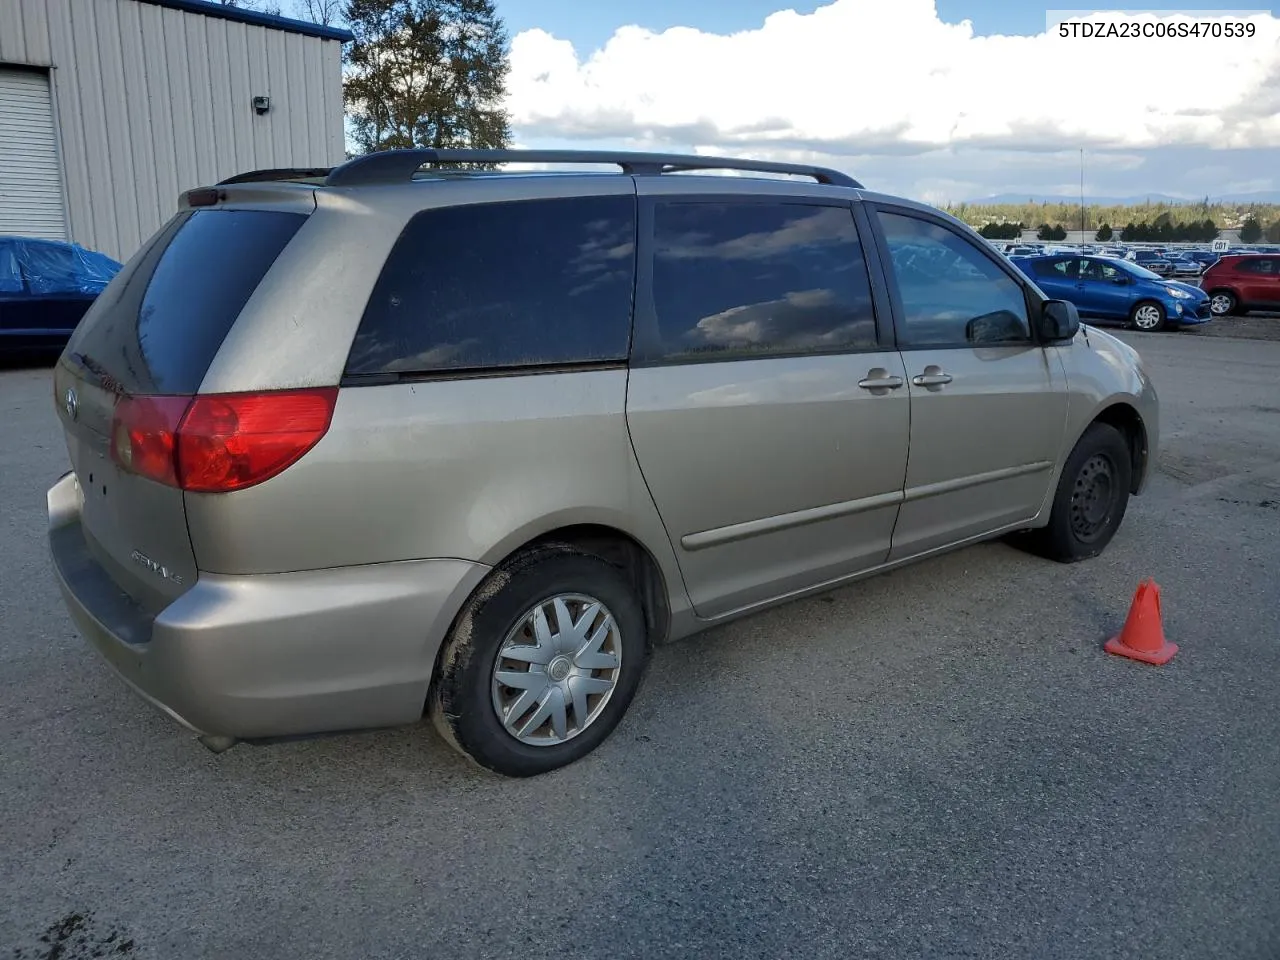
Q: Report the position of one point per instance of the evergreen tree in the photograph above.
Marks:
(426, 73)
(1250, 230)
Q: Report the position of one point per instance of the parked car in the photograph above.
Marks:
(1184, 265)
(505, 446)
(45, 288)
(1240, 283)
(1152, 261)
(1120, 290)
(1021, 250)
(1205, 258)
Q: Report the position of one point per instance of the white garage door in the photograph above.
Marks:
(30, 178)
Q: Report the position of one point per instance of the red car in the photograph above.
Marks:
(1243, 282)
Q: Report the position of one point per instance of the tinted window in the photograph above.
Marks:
(503, 285)
(753, 279)
(158, 325)
(1057, 269)
(1258, 266)
(951, 293)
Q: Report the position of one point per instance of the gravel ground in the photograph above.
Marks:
(936, 763)
(1252, 326)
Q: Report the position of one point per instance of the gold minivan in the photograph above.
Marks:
(352, 445)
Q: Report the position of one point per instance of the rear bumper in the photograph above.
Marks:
(269, 655)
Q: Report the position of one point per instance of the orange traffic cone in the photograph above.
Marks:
(1143, 635)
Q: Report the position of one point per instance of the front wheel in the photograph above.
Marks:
(1147, 316)
(1222, 303)
(1092, 494)
(541, 664)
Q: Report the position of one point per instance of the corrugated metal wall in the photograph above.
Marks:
(151, 101)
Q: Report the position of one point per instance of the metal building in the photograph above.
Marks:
(111, 108)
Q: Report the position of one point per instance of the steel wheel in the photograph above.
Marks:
(557, 669)
(1148, 316)
(1222, 303)
(1093, 498)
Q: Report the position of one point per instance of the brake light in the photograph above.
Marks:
(219, 442)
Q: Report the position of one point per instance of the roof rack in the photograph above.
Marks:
(397, 166)
(280, 173)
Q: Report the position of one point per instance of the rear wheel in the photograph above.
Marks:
(1222, 303)
(541, 664)
(1092, 494)
(1147, 316)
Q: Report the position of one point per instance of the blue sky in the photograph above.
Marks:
(941, 100)
(589, 25)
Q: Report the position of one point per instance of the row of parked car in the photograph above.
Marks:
(1167, 262)
(1126, 290)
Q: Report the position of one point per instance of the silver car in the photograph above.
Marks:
(352, 445)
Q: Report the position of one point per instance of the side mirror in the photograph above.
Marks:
(1059, 320)
(1001, 326)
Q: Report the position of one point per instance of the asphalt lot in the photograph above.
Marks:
(938, 763)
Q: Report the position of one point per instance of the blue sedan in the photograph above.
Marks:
(45, 288)
(1108, 289)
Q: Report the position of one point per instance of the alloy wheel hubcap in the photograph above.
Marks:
(1092, 498)
(557, 669)
(1220, 304)
(1147, 318)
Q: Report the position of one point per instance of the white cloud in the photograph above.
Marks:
(865, 77)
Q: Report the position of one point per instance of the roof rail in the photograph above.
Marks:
(280, 173)
(396, 166)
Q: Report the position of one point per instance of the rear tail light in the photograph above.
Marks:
(219, 442)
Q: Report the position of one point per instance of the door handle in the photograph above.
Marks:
(878, 380)
(931, 379)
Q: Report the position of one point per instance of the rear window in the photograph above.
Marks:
(158, 325)
(524, 283)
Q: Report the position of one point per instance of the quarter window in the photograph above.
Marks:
(951, 293)
(733, 280)
(500, 285)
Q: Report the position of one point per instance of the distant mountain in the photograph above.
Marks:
(1270, 196)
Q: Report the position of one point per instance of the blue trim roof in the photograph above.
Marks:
(256, 18)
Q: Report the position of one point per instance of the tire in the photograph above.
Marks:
(1223, 303)
(1080, 527)
(1147, 316)
(466, 696)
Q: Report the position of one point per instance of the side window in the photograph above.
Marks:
(951, 293)
(735, 280)
(1057, 269)
(522, 283)
(1098, 271)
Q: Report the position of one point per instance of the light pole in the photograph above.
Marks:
(1083, 238)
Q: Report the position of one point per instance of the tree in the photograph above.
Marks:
(1045, 232)
(262, 6)
(325, 12)
(1250, 230)
(1104, 233)
(426, 73)
(1273, 232)
(1001, 231)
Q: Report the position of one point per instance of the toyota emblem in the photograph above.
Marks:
(71, 403)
